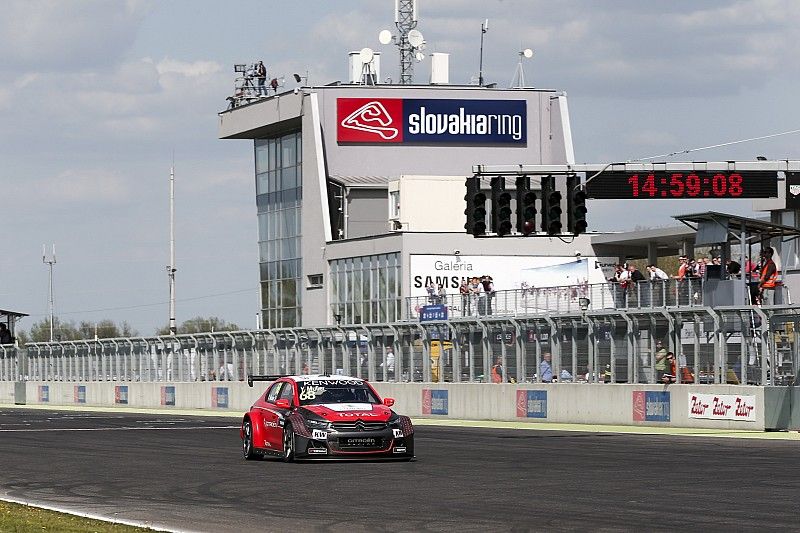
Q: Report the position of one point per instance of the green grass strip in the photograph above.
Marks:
(19, 518)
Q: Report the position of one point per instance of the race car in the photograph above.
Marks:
(324, 417)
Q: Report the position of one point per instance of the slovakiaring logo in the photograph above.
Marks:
(431, 121)
(366, 120)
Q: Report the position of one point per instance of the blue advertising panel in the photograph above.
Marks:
(432, 312)
(434, 402)
(465, 121)
(656, 406)
(532, 403)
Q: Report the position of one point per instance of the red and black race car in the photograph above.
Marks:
(324, 417)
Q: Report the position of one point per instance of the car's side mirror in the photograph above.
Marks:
(283, 403)
(388, 402)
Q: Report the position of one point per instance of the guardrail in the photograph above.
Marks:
(566, 298)
(724, 345)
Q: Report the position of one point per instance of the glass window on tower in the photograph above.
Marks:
(279, 182)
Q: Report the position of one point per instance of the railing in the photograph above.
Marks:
(600, 345)
(566, 298)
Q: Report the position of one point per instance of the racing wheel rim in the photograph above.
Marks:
(247, 445)
(288, 443)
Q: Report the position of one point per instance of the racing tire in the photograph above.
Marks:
(288, 444)
(248, 451)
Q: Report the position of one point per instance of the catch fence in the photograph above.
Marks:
(736, 345)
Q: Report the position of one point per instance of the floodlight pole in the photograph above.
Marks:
(50, 262)
(171, 268)
(484, 29)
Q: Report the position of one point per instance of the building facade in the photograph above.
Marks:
(352, 181)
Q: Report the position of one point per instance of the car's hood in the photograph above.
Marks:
(344, 412)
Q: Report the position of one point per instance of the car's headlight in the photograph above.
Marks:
(317, 424)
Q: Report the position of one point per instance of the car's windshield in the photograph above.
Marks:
(330, 391)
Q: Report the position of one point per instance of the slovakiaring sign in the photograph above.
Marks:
(431, 121)
(722, 406)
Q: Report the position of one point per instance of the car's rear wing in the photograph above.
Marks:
(263, 377)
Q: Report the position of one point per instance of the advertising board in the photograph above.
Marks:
(651, 406)
(532, 403)
(722, 406)
(434, 402)
(507, 272)
(431, 121)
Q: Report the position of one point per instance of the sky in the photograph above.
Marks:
(99, 97)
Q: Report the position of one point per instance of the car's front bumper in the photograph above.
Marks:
(386, 443)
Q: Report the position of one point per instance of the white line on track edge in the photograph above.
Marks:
(91, 516)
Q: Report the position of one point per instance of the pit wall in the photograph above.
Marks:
(686, 406)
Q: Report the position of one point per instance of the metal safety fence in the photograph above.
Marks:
(565, 298)
(735, 345)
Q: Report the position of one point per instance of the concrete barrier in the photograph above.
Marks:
(687, 406)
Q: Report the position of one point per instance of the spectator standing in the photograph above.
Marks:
(661, 364)
(430, 288)
(463, 289)
(768, 278)
(683, 266)
(545, 368)
(656, 274)
(639, 289)
(617, 285)
(389, 363)
(261, 76)
(475, 289)
(497, 371)
(669, 376)
(488, 289)
(442, 295)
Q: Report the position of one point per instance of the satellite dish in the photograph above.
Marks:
(366, 55)
(527, 53)
(420, 56)
(385, 37)
(297, 78)
(415, 38)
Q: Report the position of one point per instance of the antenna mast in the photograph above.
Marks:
(405, 19)
(171, 267)
(50, 262)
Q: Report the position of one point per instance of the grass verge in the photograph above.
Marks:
(16, 518)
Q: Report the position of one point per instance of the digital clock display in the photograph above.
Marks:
(679, 185)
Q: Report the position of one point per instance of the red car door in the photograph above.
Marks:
(287, 393)
(270, 419)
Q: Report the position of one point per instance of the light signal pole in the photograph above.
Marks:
(171, 267)
(50, 262)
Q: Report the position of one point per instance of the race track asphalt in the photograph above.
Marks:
(186, 473)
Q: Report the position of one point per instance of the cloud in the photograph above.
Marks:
(57, 36)
(96, 186)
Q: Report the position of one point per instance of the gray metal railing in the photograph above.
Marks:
(720, 345)
(566, 298)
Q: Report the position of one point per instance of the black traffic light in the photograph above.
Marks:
(476, 208)
(501, 207)
(526, 206)
(576, 206)
(551, 206)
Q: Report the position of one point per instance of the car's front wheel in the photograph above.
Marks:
(247, 442)
(288, 444)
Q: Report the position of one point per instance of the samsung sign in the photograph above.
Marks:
(429, 121)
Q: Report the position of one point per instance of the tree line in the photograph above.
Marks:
(69, 330)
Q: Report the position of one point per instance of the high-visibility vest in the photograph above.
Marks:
(769, 282)
(497, 376)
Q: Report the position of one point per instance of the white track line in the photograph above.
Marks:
(91, 516)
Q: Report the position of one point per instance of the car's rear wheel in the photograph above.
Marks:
(288, 444)
(247, 442)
